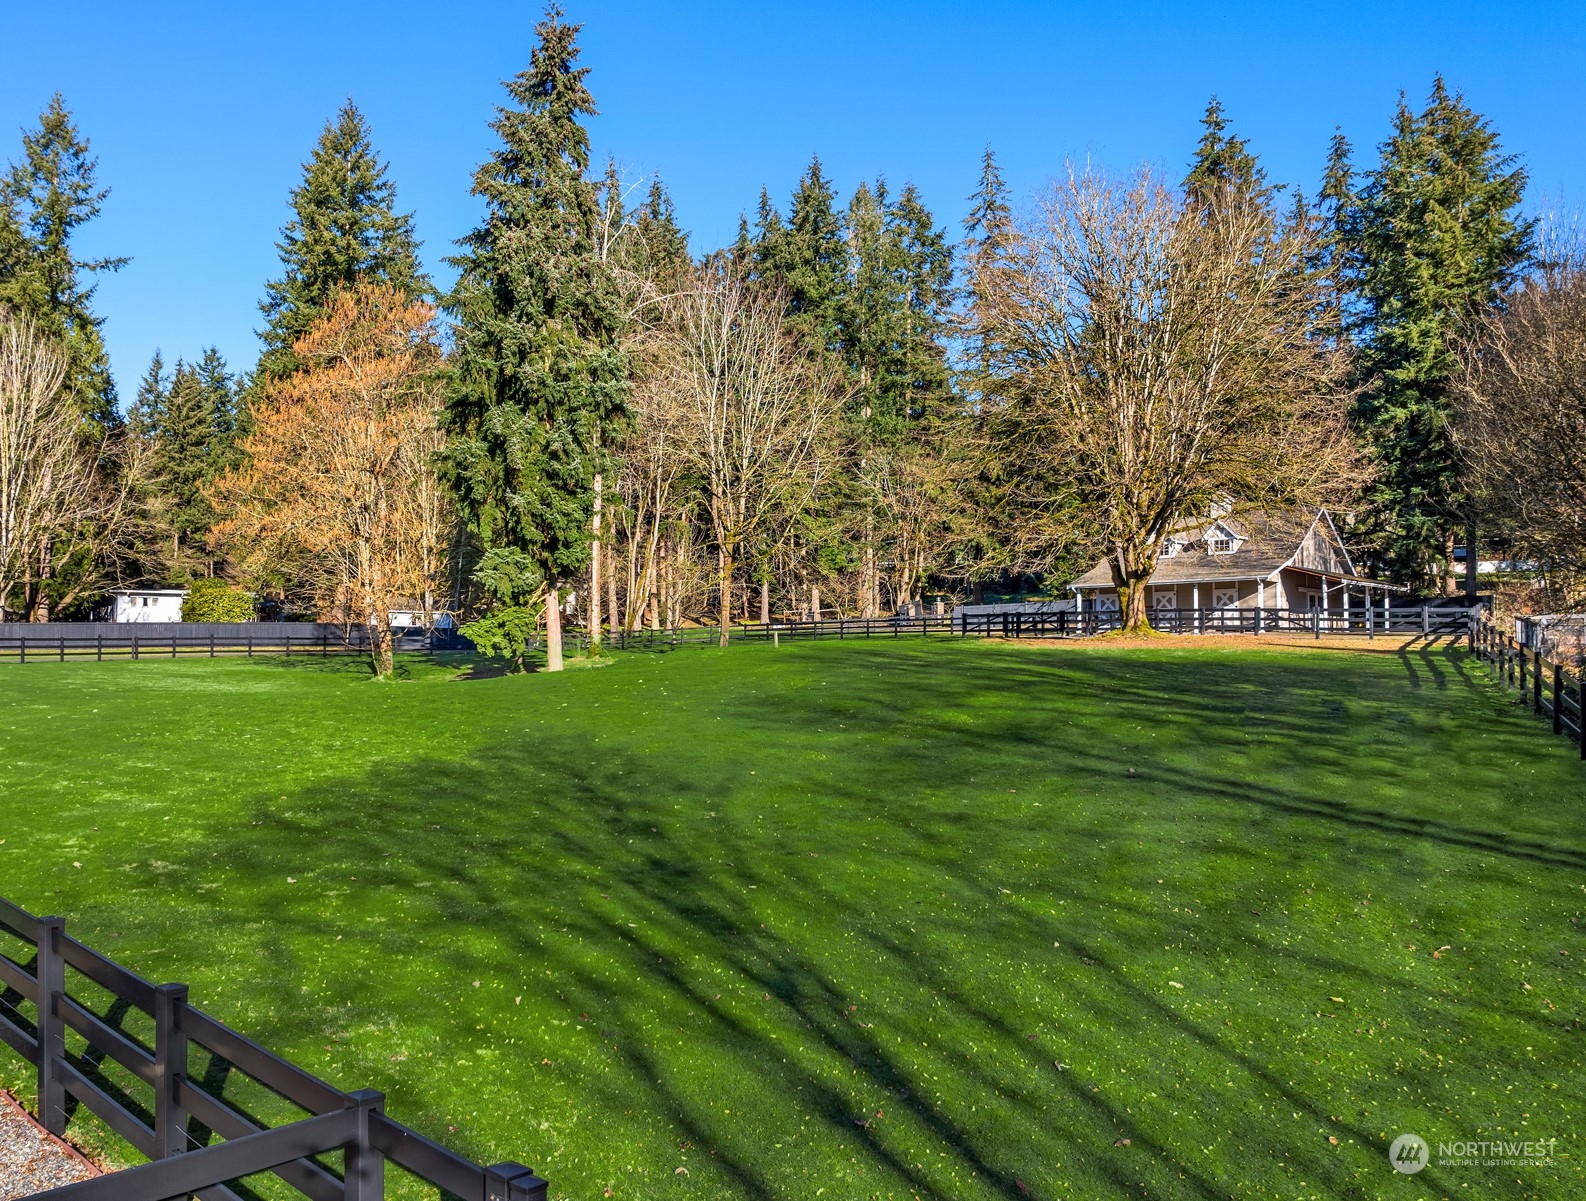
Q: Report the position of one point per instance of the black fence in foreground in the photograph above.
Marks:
(110, 1018)
(1549, 689)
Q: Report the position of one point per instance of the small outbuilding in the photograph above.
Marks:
(1293, 560)
(147, 605)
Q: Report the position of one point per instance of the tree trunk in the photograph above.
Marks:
(977, 592)
(724, 565)
(612, 620)
(1131, 576)
(553, 628)
(815, 602)
(1470, 558)
(594, 575)
(380, 644)
(765, 602)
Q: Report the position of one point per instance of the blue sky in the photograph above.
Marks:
(201, 114)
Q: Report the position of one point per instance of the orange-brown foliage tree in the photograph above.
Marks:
(339, 476)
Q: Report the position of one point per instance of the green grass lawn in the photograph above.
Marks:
(931, 919)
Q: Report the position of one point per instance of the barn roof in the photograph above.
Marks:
(1267, 543)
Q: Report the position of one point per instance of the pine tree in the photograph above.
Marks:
(144, 415)
(344, 228)
(1438, 238)
(44, 199)
(537, 372)
(223, 403)
(986, 230)
(808, 257)
(665, 244)
(183, 437)
(1222, 161)
(1338, 265)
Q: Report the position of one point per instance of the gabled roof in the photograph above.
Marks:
(1269, 542)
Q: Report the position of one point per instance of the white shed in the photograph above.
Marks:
(147, 605)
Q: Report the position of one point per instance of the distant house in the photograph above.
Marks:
(1290, 560)
(147, 605)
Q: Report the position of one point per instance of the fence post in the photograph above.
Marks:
(1520, 659)
(1536, 681)
(99, 648)
(170, 1069)
(51, 975)
(173, 646)
(60, 649)
(134, 644)
(22, 649)
(1558, 699)
(364, 1169)
(513, 1182)
(324, 645)
(211, 644)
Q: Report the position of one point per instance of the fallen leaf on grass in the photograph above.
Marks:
(1120, 1142)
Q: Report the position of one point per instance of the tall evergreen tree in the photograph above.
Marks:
(808, 257)
(665, 244)
(537, 369)
(1338, 265)
(345, 227)
(986, 230)
(1222, 161)
(1438, 238)
(44, 199)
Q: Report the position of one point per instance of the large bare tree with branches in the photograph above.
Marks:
(1521, 418)
(755, 409)
(62, 494)
(1154, 354)
(340, 474)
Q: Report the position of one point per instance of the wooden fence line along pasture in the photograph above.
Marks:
(1550, 690)
(1367, 621)
(353, 1124)
(145, 642)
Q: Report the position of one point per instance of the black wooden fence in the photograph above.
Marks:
(1551, 690)
(158, 1107)
(25, 643)
(1367, 621)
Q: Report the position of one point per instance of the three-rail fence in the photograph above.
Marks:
(1550, 690)
(170, 1115)
(31, 643)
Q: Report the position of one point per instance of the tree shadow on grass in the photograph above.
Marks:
(722, 951)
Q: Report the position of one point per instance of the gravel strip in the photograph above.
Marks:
(31, 1160)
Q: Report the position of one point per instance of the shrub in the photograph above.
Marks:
(216, 600)
(503, 633)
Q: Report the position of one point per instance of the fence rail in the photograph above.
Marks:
(353, 1124)
(1548, 689)
(1368, 621)
(146, 642)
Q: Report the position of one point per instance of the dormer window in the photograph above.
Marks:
(1171, 547)
(1220, 540)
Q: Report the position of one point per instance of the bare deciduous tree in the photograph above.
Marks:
(1521, 422)
(340, 472)
(1153, 355)
(755, 409)
(55, 502)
